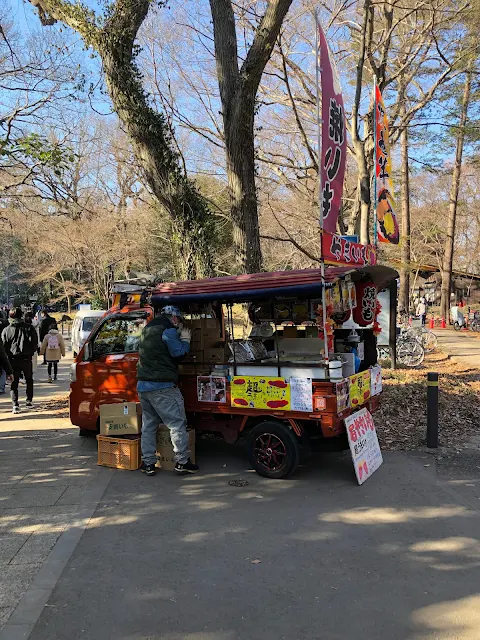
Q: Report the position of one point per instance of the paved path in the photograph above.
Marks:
(49, 488)
(314, 557)
(89, 553)
(462, 346)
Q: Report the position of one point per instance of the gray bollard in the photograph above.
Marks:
(432, 410)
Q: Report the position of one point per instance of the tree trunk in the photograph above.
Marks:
(361, 223)
(239, 142)
(404, 293)
(238, 89)
(363, 201)
(453, 205)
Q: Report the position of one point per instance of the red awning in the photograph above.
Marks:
(248, 285)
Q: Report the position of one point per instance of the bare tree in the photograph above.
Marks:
(454, 191)
(113, 37)
(238, 89)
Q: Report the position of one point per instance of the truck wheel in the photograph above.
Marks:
(273, 450)
(86, 433)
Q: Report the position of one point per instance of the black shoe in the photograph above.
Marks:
(149, 469)
(188, 467)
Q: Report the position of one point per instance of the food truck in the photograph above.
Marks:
(284, 379)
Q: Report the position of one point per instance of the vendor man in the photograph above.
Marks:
(164, 342)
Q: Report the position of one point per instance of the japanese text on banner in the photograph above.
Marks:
(359, 388)
(339, 250)
(387, 230)
(255, 392)
(334, 138)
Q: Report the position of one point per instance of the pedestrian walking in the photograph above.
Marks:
(163, 344)
(422, 310)
(20, 342)
(7, 371)
(3, 370)
(30, 319)
(46, 323)
(53, 348)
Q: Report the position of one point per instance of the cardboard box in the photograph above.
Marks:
(216, 355)
(210, 324)
(311, 332)
(204, 323)
(290, 332)
(165, 455)
(197, 338)
(121, 418)
(204, 338)
(193, 356)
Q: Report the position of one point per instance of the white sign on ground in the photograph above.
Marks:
(363, 441)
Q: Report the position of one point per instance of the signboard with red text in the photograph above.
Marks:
(363, 441)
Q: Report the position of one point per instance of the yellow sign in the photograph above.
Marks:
(359, 388)
(256, 392)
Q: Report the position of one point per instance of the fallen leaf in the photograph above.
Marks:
(256, 562)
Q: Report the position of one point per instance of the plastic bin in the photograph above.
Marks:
(119, 453)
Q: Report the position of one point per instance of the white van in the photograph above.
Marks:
(83, 324)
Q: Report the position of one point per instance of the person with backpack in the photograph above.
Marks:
(46, 323)
(3, 369)
(20, 342)
(53, 348)
(29, 319)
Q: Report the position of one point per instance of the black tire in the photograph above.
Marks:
(86, 433)
(456, 326)
(273, 450)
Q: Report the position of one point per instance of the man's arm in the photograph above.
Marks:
(34, 338)
(177, 348)
(4, 361)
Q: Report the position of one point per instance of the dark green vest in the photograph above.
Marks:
(155, 363)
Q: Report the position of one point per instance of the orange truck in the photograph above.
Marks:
(274, 387)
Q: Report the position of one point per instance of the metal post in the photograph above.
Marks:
(393, 322)
(432, 410)
(318, 72)
(375, 203)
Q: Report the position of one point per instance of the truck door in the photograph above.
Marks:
(110, 374)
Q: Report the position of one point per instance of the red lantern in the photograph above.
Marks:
(364, 312)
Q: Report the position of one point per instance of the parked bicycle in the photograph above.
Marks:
(410, 350)
(413, 327)
(428, 339)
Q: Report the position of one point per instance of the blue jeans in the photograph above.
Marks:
(167, 406)
(3, 380)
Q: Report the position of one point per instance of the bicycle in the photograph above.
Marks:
(410, 351)
(428, 339)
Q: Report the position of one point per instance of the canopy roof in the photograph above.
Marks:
(301, 283)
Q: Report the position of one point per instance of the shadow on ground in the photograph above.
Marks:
(312, 557)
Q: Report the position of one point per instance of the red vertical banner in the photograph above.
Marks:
(387, 225)
(334, 139)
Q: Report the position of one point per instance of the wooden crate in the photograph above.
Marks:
(119, 453)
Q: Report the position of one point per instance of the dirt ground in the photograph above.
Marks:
(401, 420)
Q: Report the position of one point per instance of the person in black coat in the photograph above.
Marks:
(5, 367)
(46, 323)
(20, 341)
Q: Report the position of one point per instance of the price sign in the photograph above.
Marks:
(363, 441)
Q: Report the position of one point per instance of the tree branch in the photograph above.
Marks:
(226, 52)
(263, 43)
(77, 16)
